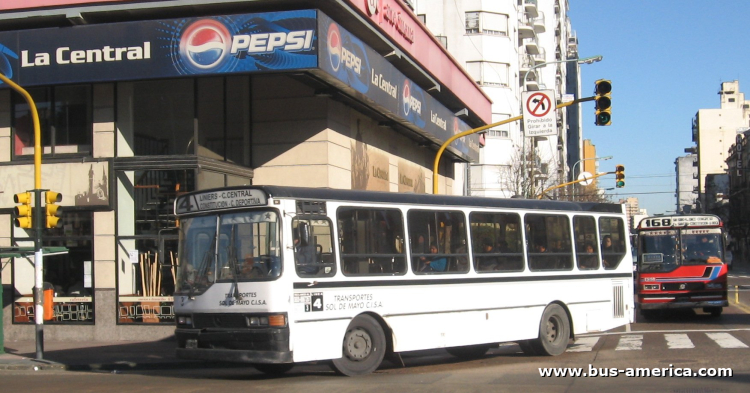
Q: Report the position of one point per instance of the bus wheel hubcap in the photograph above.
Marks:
(358, 344)
(552, 330)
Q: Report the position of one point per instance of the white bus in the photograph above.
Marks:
(274, 276)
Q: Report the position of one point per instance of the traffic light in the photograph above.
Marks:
(24, 213)
(619, 176)
(53, 210)
(602, 90)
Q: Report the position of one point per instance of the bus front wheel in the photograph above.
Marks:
(554, 332)
(364, 347)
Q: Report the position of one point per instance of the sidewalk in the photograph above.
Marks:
(99, 355)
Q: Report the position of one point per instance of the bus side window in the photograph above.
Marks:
(612, 235)
(548, 238)
(438, 241)
(495, 239)
(584, 233)
(371, 241)
(313, 247)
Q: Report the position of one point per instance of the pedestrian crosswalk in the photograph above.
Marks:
(635, 342)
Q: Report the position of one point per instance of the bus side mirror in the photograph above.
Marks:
(303, 229)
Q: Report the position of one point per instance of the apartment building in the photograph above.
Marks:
(511, 46)
(714, 132)
(686, 192)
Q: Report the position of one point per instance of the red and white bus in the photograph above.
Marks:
(681, 264)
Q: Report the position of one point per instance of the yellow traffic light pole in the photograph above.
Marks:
(572, 182)
(480, 129)
(37, 217)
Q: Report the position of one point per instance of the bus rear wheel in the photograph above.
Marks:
(273, 369)
(364, 347)
(554, 332)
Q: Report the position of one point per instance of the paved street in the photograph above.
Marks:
(677, 340)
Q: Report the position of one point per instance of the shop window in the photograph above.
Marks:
(162, 117)
(147, 280)
(65, 118)
(147, 243)
(68, 272)
(224, 118)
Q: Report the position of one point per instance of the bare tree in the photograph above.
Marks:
(544, 176)
(528, 182)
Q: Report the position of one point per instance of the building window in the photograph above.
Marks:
(67, 271)
(65, 118)
(486, 23)
(443, 40)
(488, 73)
(502, 131)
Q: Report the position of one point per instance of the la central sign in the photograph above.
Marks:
(389, 13)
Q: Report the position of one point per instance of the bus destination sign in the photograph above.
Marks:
(219, 200)
(680, 221)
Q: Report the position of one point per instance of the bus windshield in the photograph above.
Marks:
(227, 248)
(664, 250)
(659, 251)
(702, 248)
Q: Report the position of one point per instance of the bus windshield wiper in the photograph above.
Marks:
(233, 264)
(202, 270)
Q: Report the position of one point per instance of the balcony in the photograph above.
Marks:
(573, 43)
(525, 26)
(540, 57)
(525, 62)
(529, 6)
(538, 23)
(532, 81)
(531, 45)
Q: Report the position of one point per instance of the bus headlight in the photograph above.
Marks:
(270, 320)
(651, 287)
(184, 320)
(714, 285)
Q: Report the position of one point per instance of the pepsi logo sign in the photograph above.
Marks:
(410, 103)
(338, 54)
(204, 44)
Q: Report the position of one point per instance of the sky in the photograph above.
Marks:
(666, 60)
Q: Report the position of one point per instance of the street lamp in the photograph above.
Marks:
(573, 170)
(587, 159)
(585, 60)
